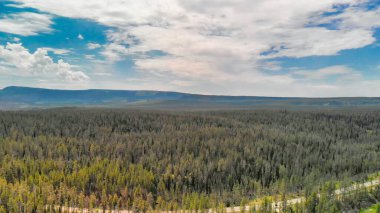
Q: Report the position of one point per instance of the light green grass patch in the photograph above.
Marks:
(373, 209)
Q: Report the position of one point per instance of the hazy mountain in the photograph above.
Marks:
(25, 97)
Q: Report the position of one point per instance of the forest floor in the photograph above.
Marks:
(276, 206)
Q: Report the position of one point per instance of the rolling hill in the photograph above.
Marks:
(26, 98)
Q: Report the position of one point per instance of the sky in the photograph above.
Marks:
(286, 48)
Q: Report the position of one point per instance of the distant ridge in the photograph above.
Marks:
(14, 97)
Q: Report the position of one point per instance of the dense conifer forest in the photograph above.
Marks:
(144, 160)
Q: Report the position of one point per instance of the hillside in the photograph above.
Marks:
(25, 97)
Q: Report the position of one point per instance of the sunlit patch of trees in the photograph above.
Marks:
(140, 160)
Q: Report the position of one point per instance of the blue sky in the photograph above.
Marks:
(261, 47)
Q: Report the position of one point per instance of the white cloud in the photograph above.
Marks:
(355, 17)
(103, 74)
(342, 72)
(17, 58)
(65, 71)
(319, 42)
(80, 37)
(178, 66)
(90, 57)
(114, 52)
(92, 46)
(26, 24)
(57, 51)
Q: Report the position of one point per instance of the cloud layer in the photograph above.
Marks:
(210, 44)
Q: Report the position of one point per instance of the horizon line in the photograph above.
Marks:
(189, 93)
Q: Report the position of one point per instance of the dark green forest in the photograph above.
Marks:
(144, 160)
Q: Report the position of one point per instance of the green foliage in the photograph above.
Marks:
(373, 209)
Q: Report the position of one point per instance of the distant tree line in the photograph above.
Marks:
(145, 160)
